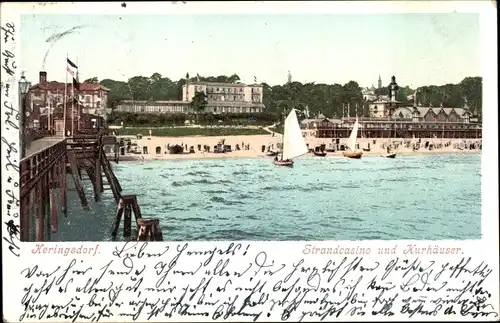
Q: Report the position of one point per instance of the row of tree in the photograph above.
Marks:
(330, 100)
(143, 119)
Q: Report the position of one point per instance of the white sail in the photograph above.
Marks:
(351, 143)
(294, 144)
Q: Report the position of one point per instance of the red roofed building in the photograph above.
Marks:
(93, 97)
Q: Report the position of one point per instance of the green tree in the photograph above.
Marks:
(92, 80)
(472, 90)
(198, 104)
(353, 97)
(118, 91)
(234, 78)
(140, 88)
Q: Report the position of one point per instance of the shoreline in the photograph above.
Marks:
(236, 155)
(156, 148)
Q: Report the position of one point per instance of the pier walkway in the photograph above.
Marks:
(41, 144)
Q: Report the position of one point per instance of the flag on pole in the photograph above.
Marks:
(72, 69)
(76, 82)
(255, 79)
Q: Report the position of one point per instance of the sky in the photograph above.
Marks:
(419, 49)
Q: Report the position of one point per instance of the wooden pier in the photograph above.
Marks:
(43, 188)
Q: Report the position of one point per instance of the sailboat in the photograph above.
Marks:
(351, 143)
(294, 144)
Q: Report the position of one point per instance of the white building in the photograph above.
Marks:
(369, 93)
(132, 106)
(379, 107)
(221, 98)
(227, 97)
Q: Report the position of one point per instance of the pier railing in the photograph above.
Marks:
(40, 174)
(35, 167)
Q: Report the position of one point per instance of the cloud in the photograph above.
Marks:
(53, 39)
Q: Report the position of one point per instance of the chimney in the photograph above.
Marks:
(43, 77)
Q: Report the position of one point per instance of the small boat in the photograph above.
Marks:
(319, 153)
(288, 163)
(366, 149)
(272, 153)
(351, 143)
(331, 148)
(393, 155)
(353, 154)
(294, 144)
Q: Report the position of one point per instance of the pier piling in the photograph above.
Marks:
(40, 213)
(148, 230)
(127, 221)
(118, 218)
(54, 185)
(76, 174)
(63, 179)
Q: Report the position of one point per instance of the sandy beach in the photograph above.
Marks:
(157, 146)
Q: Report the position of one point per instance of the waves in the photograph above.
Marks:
(319, 199)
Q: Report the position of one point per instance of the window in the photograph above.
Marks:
(87, 99)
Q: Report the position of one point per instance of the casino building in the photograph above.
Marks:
(389, 120)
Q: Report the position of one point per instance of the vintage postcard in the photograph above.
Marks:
(250, 161)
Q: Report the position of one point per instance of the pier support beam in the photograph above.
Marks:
(149, 230)
(118, 218)
(63, 179)
(98, 178)
(128, 205)
(54, 185)
(25, 206)
(107, 168)
(25, 218)
(76, 174)
(127, 221)
(46, 207)
(93, 178)
(40, 213)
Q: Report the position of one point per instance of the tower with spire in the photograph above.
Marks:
(289, 77)
(379, 82)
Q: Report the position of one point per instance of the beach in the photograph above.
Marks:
(155, 148)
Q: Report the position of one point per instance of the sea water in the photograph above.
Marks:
(409, 197)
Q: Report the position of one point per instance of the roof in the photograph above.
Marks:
(241, 104)
(219, 84)
(306, 121)
(381, 98)
(226, 84)
(145, 102)
(59, 86)
(424, 110)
